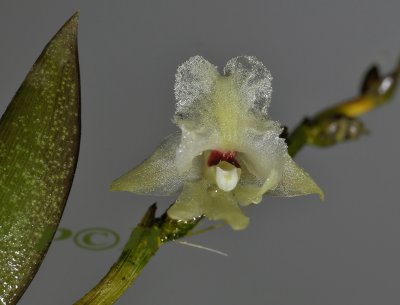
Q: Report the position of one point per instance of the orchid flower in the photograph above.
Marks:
(228, 152)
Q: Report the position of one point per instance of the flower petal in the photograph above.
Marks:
(253, 82)
(222, 206)
(261, 151)
(190, 203)
(295, 181)
(157, 175)
(214, 111)
(196, 199)
(252, 189)
(267, 168)
(194, 84)
(194, 143)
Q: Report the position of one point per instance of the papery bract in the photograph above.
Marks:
(228, 152)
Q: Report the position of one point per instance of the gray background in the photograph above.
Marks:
(295, 251)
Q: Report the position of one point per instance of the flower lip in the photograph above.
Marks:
(216, 156)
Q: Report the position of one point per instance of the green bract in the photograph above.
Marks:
(228, 152)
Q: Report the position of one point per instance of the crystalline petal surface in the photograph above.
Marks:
(295, 181)
(253, 81)
(194, 85)
(157, 175)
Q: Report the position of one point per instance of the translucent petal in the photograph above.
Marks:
(223, 206)
(252, 190)
(248, 194)
(226, 105)
(262, 151)
(190, 202)
(194, 143)
(295, 181)
(196, 199)
(194, 85)
(253, 82)
(267, 168)
(157, 175)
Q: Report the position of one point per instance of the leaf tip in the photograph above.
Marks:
(70, 27)
(74, 19)
(73, 22)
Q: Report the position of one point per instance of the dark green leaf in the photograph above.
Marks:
(39, 144)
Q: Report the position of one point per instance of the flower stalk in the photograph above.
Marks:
(144, 242)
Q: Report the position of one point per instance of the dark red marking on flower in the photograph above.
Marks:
(217, 156)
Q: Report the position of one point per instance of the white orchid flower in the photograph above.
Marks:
(228, 152)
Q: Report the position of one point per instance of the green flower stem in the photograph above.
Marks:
(329, 127)
(143, 243)
(297, 139)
